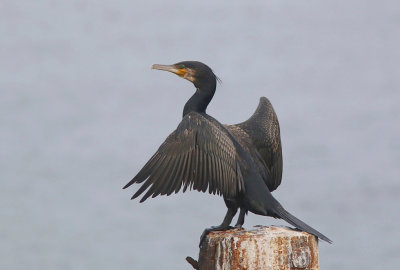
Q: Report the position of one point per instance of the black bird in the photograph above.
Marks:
(241, 162)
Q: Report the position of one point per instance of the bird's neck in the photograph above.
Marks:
(200, 100)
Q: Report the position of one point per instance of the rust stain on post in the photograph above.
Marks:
(258, 249)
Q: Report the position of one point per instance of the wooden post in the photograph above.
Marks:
(262, 248)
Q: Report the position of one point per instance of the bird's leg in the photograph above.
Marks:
(240, 220)
(224, 225)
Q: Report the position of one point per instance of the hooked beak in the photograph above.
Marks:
(171, 68)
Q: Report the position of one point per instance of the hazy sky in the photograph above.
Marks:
(81, 111)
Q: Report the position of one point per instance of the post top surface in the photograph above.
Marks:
(265, 231)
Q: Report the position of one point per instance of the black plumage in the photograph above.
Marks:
(241, 162)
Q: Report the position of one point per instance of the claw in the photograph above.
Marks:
(212, 229)
(202, 237)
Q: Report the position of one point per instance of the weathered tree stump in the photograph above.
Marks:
(262, 248)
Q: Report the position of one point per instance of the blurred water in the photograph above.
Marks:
(81, 112)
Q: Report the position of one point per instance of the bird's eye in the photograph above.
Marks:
(182, 66)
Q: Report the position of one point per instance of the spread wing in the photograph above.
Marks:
(199, 155)
(263, 129)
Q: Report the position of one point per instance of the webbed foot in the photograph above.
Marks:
(212, 229)
(238, 226)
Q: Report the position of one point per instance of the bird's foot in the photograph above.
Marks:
(239, 226)
(212, 229)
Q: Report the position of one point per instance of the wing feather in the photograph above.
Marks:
(199, 154)
(173, 176)
(263, 130)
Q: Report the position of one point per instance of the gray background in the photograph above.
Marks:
(81, 111)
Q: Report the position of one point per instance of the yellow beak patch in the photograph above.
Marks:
(181, 72)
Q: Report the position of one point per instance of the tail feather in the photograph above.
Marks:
(283, 214)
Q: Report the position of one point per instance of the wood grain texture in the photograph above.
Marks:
(258, 249)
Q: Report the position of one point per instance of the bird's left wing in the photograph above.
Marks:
(263, 129)
(199, 154)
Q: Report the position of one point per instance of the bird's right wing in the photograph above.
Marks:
(263, 129)
(198, 154)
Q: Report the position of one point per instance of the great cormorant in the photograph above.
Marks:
(241, 162)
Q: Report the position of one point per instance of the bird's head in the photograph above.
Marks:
(196, 72)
